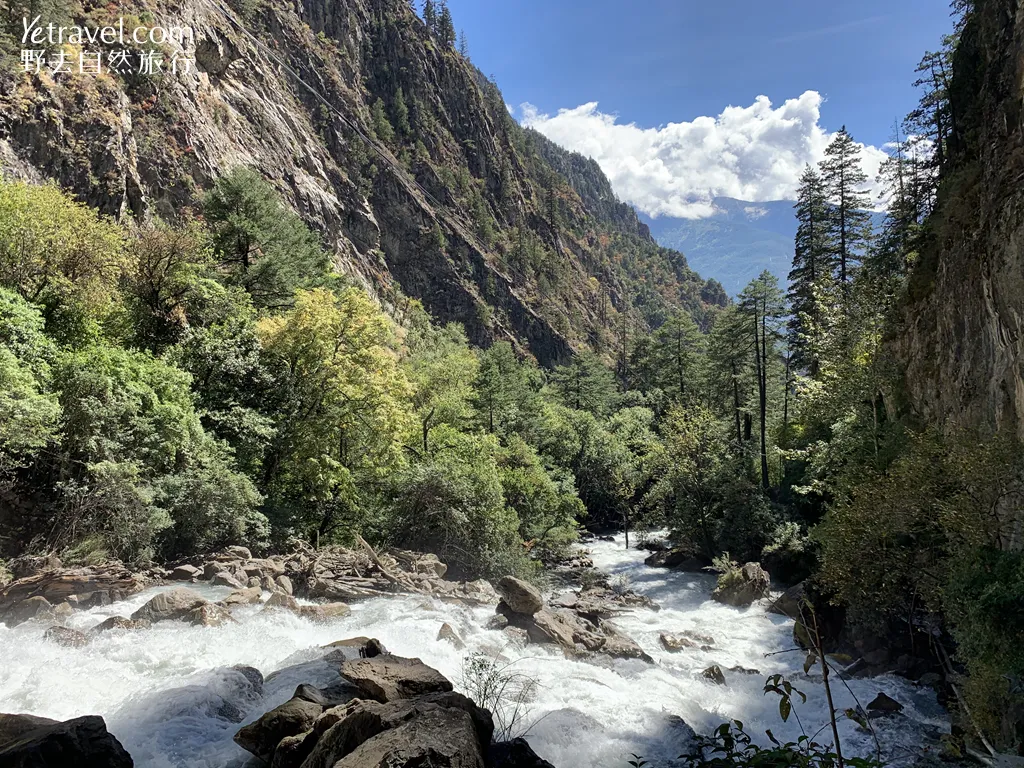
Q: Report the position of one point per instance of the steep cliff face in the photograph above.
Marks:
(962, 343)
(415, 175)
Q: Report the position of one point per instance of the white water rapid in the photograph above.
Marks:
(164, 691)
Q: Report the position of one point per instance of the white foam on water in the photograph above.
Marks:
(168, 694)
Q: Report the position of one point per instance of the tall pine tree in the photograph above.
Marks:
(813, 263)
(850, 223)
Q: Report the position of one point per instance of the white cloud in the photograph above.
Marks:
(754, 153)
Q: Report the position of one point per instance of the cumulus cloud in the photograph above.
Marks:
(754, 153)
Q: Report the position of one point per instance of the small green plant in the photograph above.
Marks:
(509, 695)
(732, 747)
(637, 761)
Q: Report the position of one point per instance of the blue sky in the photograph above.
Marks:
(656, 62)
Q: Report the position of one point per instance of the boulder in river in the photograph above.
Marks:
(520, 596)
(120, 622)
(448, 634)
(680, 558)
(293, 717)
(884, 704)
(82, 743)
(675, 642)
(790, 602)
(714, 674)
(515, 754)
(387, 678)
(36, 607)
(69, 638)
(742, 586)
(246, 596)
(185, 572)
(166, 606)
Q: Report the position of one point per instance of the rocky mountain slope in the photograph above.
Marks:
(409, 167)
(961, 343)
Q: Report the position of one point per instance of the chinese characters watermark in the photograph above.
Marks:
(114, 49)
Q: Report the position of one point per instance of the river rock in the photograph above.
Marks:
(120, 622)
(235, 553)
(208, 615)
(82, 743)
(323, 612)
(69, 638)
(387, 678)
(291, 751)
(354, 648)
(13, 727)
(514, 754)
(247, 596)
(742, 587)
(170, 605)
(790, 602)
(84, 587)
(284, 584)
(497, 621)
(293, 717)
(448, 634)
(212, 568)
(520, 596)
(444, 729)
(227, 579)
(714, 674)
(620, 646)
(185, 573)
(884, 704)
(681, 558)
(37, 607)
(675, 642)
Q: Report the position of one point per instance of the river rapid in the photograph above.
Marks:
(166, 694)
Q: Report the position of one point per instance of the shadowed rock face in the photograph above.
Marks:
(83, 743)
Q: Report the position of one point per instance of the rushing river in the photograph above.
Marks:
(164, 691)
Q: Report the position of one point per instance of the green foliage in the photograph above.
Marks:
(732, 747)
(585, 384)
(452, 505)
(382, 127)
(260, 244)
(60, 254)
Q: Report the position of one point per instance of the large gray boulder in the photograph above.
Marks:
(520, 596)
(387, 678)
(515, 754)
(174, 604)
(743, 586)
(80, 743)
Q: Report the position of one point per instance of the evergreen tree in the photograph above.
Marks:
(261, 245)
(813, 262)
(463, 44)
(762, 307)
(585, 384)
(849, 219)
(676, 352)
(430, 16)
(446, 26)
(381, 125)
(401, 114)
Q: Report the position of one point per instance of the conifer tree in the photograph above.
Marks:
(813, 262)
(430, 15)
(677, 347)
(446, 26)
(762, 307)
(401, 113)
(463, 44)
(849, 219)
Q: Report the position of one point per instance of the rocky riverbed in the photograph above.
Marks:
(170, 659)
